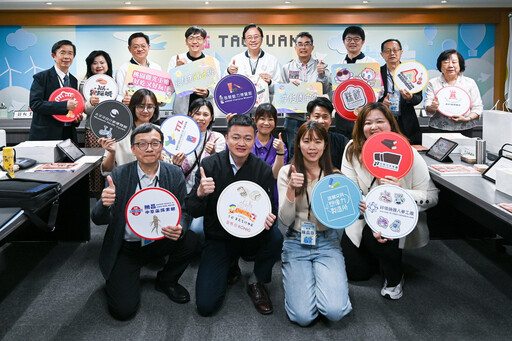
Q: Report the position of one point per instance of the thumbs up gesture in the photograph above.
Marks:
(320, 69)
(94, 100)
(126, 98)
(232, 68)
(278, 145)
(210, 146)
(206, 186)
(108, 196)
(296, 179)
(179, 61)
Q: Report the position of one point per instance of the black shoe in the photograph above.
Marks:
(260, 298)
(234, 274)
(175, 291)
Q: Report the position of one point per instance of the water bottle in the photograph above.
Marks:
(481, 151)
(394, 106)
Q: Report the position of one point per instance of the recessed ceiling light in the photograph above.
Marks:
(287, 2)
(365, 2)
(127, 3)
(49, 3)
(444, 1)
(207, 2)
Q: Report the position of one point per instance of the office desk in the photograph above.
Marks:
(73, 218)
(476, 198)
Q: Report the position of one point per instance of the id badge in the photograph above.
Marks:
(144, 242)
(307, 233)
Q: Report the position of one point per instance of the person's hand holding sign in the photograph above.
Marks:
(71, 104)
(406, 94)
(206, 186)
(278, 144)
(108, 144)
(178, 158)
(94, 100)
(108, 196)
(391, 180)
(271, 218)
(266, 77)
(210, 146)
(201, 92)
(172, 232)
(232, 68)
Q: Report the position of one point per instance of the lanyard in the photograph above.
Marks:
(155, 180)
(307, 196)
(390, 81)
(373, 181)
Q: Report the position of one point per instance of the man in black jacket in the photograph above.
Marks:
(216, 173)
(123, 252)
(391, 51)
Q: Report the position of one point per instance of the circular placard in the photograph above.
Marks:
(453, 101)
(350, 95)
(103, 86)
(243, 208)
(63, 95)
(235, 94)
(411, 76)
(391, 210)
(149, 210)
(181, 134)
(111, 119)
(387, 153)
(335, 201)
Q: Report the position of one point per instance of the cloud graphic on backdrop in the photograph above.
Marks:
(21, 39)
(154, 46)
(430, 33)
(336, 44)
(472, 35)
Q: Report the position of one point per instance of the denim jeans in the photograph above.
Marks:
(314, 278)
(195, 225)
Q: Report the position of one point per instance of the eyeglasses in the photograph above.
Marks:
(142, 47)
(149, 107)
(256, 37)
(237, 138)
(388, 51)
(354, 39)
(143, 146)
(306, 44)
(198, 39)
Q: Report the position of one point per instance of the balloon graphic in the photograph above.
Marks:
(449, 44)
(472, 35)
(430, 33)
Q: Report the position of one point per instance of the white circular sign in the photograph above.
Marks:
(149, 210)
(410, 76)
(103, 86)
(453, 101)
(391, 210)
(181, 134)
(243, 208)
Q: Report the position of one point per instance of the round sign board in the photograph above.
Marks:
(453, 101)
(235, 94)
(149, 210)
(181, 134)
(350, 95)
(387, 153)
(411, 76)
(103, 86)
(63, 95)
(335, 201)
(243, 208)
(111, 119)
(391, 210)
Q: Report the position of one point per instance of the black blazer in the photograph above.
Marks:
(44, 126)
(407, 121)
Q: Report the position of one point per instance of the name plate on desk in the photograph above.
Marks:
(22, 115)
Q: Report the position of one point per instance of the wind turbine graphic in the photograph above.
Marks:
(10, 72)
(34, 67)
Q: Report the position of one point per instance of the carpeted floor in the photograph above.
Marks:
(453, 290)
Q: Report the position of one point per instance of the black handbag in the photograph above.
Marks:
(30, 196)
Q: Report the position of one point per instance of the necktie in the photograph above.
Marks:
(66, 80)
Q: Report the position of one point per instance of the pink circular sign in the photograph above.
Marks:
(453, 101)
(350, 95)
(63, 95)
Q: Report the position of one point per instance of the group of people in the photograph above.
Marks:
(315, 276)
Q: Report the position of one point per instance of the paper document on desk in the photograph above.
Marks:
(449, 170)
(57, 167)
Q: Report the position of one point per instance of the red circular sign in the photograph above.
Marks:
(350, 95)
(63, 95)
(387, 153)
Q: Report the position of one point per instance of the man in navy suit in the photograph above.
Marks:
(44, 126)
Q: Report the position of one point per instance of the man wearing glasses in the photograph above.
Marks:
(303, 69)
(401, 103)
(123, 252)
(138, 45)
(353, 39)
(216, 173)
(195, 39)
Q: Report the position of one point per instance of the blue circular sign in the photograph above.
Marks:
(335, 201)
(235, 94)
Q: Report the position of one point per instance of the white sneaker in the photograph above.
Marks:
(392, 293)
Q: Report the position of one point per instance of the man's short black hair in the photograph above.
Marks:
(195, 30)
(356, 30)
(320, 102)
(304, 34)
(241, 120)
(143, 129)
(390, 40)
(61, 43)
(138, 35)
(251, 25)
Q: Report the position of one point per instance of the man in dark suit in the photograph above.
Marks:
(402, 102)
(123, 252)
(44, 126)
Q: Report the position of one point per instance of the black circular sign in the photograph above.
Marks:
(111, 119)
